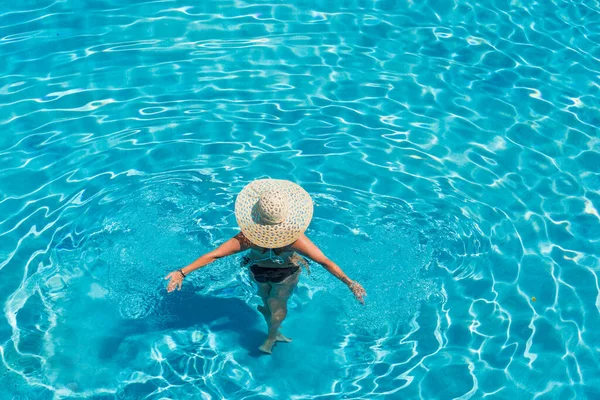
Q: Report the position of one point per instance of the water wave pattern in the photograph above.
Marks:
(451, 148)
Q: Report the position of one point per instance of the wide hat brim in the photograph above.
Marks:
(273, 236)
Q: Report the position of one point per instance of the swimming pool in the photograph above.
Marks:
(451, 149)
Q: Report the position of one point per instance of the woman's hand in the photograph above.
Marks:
(234, 245)
(358, 291)
(176, 281)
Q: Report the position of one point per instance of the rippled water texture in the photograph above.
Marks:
(451, 149)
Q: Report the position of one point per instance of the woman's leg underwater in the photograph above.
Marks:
(277, 305)
(264, 290)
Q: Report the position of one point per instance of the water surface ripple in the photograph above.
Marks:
(451, 149)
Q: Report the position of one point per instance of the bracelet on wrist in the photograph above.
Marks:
(181, 272)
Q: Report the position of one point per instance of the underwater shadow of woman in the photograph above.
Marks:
(218, 314)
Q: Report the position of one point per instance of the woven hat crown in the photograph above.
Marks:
(273, 213)
(272, 207)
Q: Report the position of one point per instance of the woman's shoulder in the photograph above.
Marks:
(244, 242)
(301, 243)
(247, 244)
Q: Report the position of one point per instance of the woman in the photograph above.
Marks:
(272, 216)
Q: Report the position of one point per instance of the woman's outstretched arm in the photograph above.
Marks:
(234, 245)
(307, 248)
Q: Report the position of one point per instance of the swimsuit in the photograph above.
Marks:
(271, 274)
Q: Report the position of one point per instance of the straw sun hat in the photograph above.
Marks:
(273, 213)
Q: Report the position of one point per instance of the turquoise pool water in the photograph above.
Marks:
(451, 148)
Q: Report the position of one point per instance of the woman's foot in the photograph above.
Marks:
(282, 338)
(267, 346)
